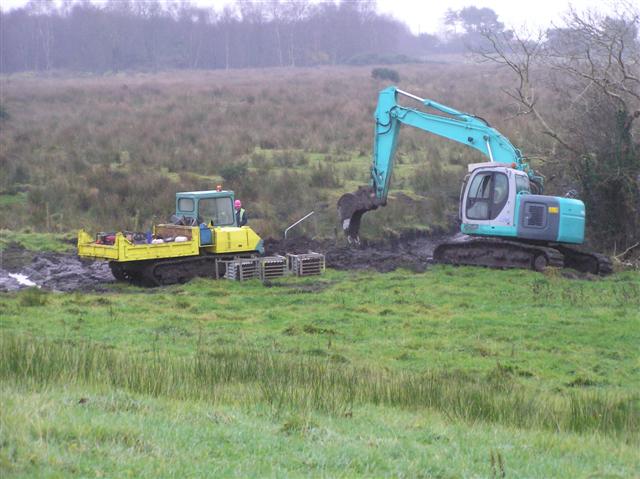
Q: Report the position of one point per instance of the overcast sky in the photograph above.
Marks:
(426, 15)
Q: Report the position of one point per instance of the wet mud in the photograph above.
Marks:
(21, 268)
(412, 251)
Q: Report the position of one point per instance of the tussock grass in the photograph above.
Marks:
(34, 297)
(250, 377)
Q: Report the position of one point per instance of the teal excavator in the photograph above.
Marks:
(505, 220)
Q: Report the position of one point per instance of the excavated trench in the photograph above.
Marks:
(412, 251)
(21, 268)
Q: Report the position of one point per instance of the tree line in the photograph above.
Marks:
(154, 35)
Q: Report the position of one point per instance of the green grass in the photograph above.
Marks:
(348, 374)
(72, 431)
(7, 201)
(304, 384)
(56, 242)
(549, 330)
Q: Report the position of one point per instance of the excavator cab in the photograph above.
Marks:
(497, 201)
(489, 198)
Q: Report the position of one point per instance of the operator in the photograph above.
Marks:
(241, 214)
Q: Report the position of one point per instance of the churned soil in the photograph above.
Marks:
(20, 268)
(412, 251)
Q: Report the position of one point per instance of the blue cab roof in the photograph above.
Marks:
(204, 194)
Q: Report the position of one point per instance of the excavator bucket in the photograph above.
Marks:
(351, 207)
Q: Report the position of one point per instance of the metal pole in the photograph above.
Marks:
(486, 139)
(410, 95)
(297, 223)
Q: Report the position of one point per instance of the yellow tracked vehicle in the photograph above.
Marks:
(201, 239)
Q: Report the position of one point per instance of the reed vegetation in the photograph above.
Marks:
(315, 385)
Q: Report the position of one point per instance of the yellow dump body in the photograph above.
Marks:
(225, 240)
(125, 250)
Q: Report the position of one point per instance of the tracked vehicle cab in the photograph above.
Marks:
(213, 207)
(213, 211)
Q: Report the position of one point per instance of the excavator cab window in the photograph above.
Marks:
(478, 197)
(488, 194)
(500, 192)
(463, 188)
(522, 184)
(217, 210)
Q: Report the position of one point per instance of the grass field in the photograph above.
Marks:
(457, 372)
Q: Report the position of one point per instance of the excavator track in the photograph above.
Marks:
(498, 253)
(129, 272)
(586, 262)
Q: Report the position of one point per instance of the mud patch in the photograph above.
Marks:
(51, 271)
(293, 288)
(411, 251)
(67, 272)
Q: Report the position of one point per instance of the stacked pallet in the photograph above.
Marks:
(271, 267)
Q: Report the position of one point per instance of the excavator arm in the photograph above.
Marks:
(461, 127)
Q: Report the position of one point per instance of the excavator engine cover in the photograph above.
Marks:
(351, 207)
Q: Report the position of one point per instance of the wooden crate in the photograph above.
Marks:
(273, 267)
(307, 264)
(241, 269)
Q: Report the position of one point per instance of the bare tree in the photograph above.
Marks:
(43, 11)
(581, 82)
(295, 14)
(228, 19)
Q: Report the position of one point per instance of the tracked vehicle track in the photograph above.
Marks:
(497, 253)
(180, 270)
(164, 272)
(594, 263)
